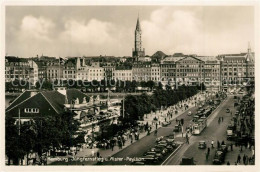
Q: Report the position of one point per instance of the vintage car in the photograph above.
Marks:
(202, 144)
(177, 128)
(187, 161)
(219, 157)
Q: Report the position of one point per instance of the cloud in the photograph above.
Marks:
(172, 31)
(94, 37)
(94, 32)
(36, 28)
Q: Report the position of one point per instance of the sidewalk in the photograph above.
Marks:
(232, 155)
(86, 152)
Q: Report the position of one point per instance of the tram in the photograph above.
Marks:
(199, 126)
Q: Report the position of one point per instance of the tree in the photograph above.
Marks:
(12, 142)
(160, 86)
(150, 84)
(134, 85)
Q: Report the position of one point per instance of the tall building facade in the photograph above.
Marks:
(237, 68)
(16, 68)
(138, 51)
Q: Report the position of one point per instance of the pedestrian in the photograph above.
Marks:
(228, 163)
(246, 162)
(223, 143)
(112, 146)
(155, 132)
(187, 140)
(238, 158)
(218, 144)
(219, 120)
(156, 125)
(231, 146)
(98, 154)
(244, 159)
(123, 141)
(212, 143)
(207, 155)
(208, 150)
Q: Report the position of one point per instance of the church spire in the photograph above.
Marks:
(138, 51)
(138, 27)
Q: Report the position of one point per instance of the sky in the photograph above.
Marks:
(63, 31)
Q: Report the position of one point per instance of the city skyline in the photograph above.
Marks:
(65, 31)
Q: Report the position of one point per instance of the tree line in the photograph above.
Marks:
(136, 106)
(40, 135)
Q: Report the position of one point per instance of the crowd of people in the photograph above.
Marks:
(133, 133)
(245, 128)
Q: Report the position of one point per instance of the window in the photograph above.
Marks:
(31, 110)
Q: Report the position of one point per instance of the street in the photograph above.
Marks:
(214, 131)
(141, 146)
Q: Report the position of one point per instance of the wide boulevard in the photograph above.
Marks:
(213, 131)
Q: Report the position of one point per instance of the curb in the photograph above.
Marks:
(172, 153)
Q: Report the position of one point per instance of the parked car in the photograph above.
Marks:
(150, 159)
(138, 162)
(169, 147)
(187, 161)
(218, 158)
(158, 155)
(162, 148)
(170, 139)
(159, 139)
(158, 150)
(202, 144)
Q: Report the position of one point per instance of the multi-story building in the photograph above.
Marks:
(236, 68)
(82, 69)
(210, 70)
(54, 70)
(34, 72)
(122, 74)
(42, 69)
(69, 71)
(141, 71)
(190, 70)
(108, 70)
(168, 69)
(96, 72)
(16, 68)
(155, 72)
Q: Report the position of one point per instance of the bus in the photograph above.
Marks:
(199, 126)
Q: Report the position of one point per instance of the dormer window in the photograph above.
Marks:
(31, 110)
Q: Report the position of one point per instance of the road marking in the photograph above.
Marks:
(172, 153)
